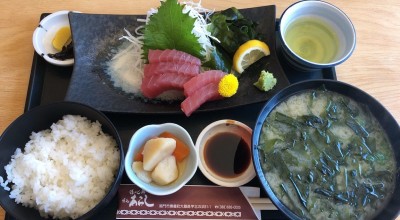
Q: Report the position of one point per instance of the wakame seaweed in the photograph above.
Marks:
(231, 29)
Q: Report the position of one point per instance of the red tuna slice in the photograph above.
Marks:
(168, 67)
(174, 56)
(201, 80)
(194, 101)
(155, 85)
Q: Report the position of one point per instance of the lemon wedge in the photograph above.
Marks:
(248, 53)
(62, 38)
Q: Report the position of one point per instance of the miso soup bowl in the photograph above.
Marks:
(329, 14)
(385, 119)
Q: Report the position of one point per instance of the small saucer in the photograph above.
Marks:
(44, 34)
(211, 131)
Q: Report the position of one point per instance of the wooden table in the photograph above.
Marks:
(373, 67)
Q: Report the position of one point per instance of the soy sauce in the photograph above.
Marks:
(227, 154)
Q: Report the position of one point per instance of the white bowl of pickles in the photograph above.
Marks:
(52, 39)
(161, 158)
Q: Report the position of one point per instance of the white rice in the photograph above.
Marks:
(64, 171)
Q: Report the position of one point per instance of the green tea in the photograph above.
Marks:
(312, 39)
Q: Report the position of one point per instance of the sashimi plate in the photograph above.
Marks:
(96, 37)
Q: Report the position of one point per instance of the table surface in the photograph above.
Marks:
(372, 67)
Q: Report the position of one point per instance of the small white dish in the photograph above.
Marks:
(225, 126)
(144, 134)
(44, 34)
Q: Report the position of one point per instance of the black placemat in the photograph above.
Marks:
(49, 83)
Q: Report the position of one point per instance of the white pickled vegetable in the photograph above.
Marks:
(155, 150)
(166, 171)
(142, 174)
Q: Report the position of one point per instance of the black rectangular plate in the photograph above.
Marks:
(49, 83)
(95, 36)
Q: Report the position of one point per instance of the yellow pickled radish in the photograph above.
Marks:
(62, 38)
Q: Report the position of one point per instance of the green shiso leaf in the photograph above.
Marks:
(170, 28)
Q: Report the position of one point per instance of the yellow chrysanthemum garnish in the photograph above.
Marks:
(228, 85)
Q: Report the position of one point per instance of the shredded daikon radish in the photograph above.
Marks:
(126, 66)
(195, 10)
(136, 51)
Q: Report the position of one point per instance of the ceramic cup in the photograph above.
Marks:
(336, 21)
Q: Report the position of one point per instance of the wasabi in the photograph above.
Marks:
(266, 81)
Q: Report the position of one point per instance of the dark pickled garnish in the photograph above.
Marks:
(66, 53)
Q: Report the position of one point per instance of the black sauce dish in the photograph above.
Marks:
(386, 120)
(40, 118)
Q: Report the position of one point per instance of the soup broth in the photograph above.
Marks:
(326, 157)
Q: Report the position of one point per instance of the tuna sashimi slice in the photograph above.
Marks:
(168, 67)
(194, 101)
(175, 56)
(201, 80)
(155, 85)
